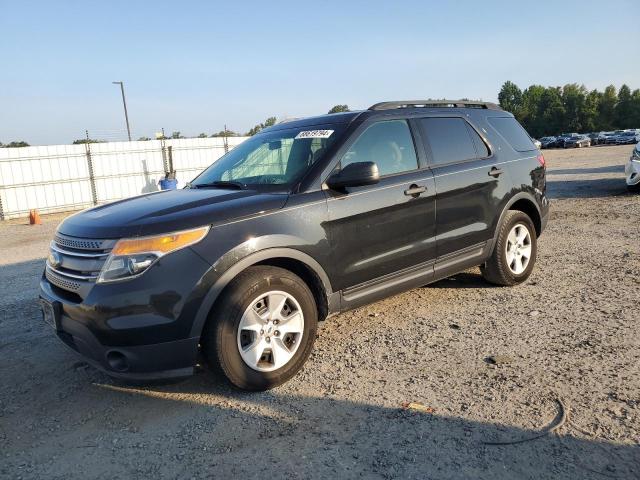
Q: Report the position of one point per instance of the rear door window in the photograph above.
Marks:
(513, 133)
(449, 139)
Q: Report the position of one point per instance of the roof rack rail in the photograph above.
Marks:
(434, 104)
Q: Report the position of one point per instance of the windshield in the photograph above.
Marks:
(276, 158)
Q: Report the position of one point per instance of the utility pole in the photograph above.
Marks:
(124, 102)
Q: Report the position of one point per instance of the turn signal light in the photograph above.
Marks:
(160, 244)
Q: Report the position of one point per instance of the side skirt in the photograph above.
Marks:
(413, 277)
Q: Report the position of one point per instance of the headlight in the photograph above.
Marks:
(635, 156)
(131, 257)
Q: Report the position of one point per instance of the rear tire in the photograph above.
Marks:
(514, 254)
(251, 336)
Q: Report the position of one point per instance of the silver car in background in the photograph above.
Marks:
(632, 170)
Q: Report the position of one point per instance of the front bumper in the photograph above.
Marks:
(632, 173)
(139, 329)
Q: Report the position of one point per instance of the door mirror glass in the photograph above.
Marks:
(355, 174)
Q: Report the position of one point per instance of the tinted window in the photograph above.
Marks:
(449, 140)
(481, 148)
(513, 133)
(389, 144)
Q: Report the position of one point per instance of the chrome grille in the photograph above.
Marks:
(61, 282)
(75, 263)
(81, 244)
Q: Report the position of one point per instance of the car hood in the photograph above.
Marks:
(168, 211)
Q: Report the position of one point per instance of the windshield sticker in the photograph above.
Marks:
(314, 134)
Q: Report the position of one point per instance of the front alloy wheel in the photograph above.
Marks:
(262, 329)
(270, 331)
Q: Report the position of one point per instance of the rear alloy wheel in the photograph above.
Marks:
(518, 249)
(262, 330)
(514, 253)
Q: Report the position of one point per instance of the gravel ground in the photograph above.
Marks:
(569, 334)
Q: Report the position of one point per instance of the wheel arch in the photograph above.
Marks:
(299, 263)
(523, 202)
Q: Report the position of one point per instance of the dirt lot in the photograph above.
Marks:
(570, 333)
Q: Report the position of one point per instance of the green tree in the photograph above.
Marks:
(82, 141)
(624, 109)
(510, 98)
(269, 122)
(573, 97)
(607, 109)
(144, 139)
(589, 113)
(339, 108)
(634, 120)
(203, 135)
(552, 110)
(16, 144)
(225, 133)
(532, 114)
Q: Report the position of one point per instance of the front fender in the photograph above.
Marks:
(250, 253)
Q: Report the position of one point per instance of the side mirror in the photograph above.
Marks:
(355, 174)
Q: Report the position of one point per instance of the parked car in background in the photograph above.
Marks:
(632, 170)
(537, 143)
(627, 138)
(577, 142)
(548, 142)
(595, 137)
(564, 137)
(613, 138)
(601, 137)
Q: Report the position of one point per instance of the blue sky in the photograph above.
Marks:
(194, 66)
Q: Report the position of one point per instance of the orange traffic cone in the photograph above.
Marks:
(34, 217)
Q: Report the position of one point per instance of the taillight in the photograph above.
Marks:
(541, 160)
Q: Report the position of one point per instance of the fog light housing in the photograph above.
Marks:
(117, 361)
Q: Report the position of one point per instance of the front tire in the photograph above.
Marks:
(262, 331)
(514, 254)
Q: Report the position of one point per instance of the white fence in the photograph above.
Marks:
(59, 178)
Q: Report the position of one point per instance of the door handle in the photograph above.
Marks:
(415, 190)
(495, 172)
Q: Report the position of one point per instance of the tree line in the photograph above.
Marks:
(541, 110)
(546, 111)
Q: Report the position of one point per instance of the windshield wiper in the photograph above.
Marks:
(221, 184)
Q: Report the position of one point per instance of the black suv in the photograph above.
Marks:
(307, 219)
